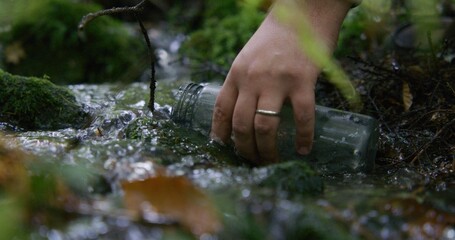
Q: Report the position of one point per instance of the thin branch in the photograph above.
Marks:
(425, 146)
(151, 104)
(91, 16)
(134, 10)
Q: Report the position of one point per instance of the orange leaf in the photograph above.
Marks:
(13, 175)
(175, 197)
(407, 96)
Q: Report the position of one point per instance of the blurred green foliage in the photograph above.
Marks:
(36, 192)
(10, 218)
(227, 26)
(371, 26)
(352, 37)
(42, 38)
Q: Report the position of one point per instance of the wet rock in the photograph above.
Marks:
(36, 104)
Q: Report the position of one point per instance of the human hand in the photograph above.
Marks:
(270, 70)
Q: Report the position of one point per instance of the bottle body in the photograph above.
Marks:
(343, 141)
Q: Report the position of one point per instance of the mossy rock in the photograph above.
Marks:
(295, 178)
(36, 104)
(44, 40)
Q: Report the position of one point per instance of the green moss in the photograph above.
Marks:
(168, 135)
(226, 29)
(295, 178)
(141, 128)
(46, 30)
(221, 9)
(35, 103)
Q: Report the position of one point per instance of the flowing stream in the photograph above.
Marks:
(126, 142)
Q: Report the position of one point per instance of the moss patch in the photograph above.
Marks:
(44, 39)
(295, 178)
(227, 27)
(35, 103)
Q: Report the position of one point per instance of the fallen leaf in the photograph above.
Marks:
(13, 174)
(14, 53)
(407, 96)
(174, 197)
(19, 181)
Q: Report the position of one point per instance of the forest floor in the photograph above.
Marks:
(412, 94)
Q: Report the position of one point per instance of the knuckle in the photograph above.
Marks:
(303, 118)
(306, 113)
(255, 71)
(287, 72)
(264, 128)
(237, 69)
(220, 115)
(240, 129)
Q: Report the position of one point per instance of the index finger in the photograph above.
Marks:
(222, 113)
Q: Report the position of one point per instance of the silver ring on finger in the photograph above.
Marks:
(267, 112)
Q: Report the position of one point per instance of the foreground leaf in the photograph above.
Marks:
(175, 197)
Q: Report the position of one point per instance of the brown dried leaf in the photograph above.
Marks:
(14, 53)
(16, 181)
(407, 96)
(175, 197)
(13, 174)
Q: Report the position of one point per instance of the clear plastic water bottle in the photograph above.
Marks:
(343, 141)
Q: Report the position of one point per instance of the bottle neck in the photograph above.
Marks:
(184, 108)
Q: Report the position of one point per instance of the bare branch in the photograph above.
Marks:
(134, 10)
(91, 16)
(151, 104)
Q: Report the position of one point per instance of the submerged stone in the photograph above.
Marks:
(36, 104)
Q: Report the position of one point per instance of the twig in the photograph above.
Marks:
(91, 16)
(426, 145)
(380, 115)
(136, 9)
(151, 104)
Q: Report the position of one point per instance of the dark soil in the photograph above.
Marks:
(422, 136)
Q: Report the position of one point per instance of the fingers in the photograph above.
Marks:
(243, 126)
(255, 135)
(265, 129)
(304, 116)
(222, 114)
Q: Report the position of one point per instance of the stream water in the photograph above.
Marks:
(126, 142)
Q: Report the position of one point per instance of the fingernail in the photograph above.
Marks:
(303, 150)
